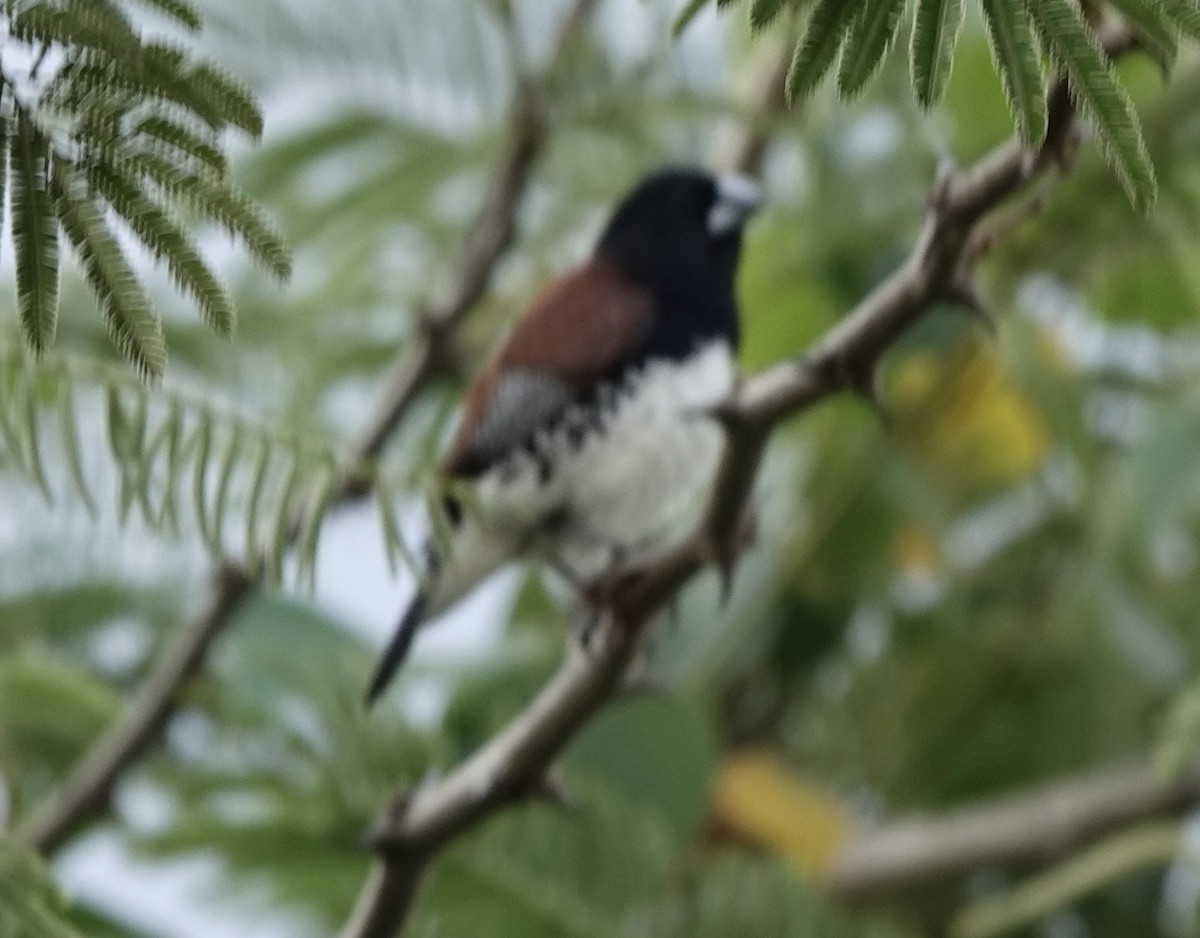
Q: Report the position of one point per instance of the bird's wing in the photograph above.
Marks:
(582, 327)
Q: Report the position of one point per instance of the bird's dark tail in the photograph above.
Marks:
(397, 649)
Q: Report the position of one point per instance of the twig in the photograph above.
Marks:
(1031, 828)
(85, 791)
(509, 766)
(1118, 856)
(87, 787)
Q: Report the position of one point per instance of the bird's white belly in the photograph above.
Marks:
(626, 492)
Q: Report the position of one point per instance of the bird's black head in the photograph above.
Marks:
(679, 234)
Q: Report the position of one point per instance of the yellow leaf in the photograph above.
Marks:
(759, 799)
(966, 418)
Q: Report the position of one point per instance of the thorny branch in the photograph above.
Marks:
(85, 791)
(512, 765)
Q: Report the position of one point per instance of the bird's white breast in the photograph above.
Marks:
(629, 477)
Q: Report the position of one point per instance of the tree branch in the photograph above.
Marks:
(511, 765)
(1117, 857)
(1031, 828)
(85, 791)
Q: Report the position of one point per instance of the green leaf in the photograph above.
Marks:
(1183, 13)
(1160, 36)
(168, 515)
(258, 477)
(202, 443)
(827, 24)
(158, 442)
(35, 235)
(163, 237)
(115, 423)
(1015, 52)
(1104, 102)
(48, 704)
(228, 98)
(69, 425)
(871, 36)
(33, 449)
(126, 434)
(764, 12)
(441, 528)
(218, 200)
(281, 525)
(686, 15)
(182, 12)
(394, 541)
(132, 322)
(92, 27)
(233, 447)
(931, 52)
(183, 144)
(5, 135)
(9, 418)
(310, 532)
(30, 904)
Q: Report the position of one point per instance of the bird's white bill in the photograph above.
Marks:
(738, 197)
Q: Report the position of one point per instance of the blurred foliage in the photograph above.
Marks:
(177, 460)
(996, 589)
(30, 904)
(1029, 39)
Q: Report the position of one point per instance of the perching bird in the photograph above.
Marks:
(588, 437)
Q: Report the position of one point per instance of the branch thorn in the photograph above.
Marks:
(939, 195)
(966, 296)
(867, 384)
(551, 789)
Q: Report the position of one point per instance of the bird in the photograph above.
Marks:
(588, 436)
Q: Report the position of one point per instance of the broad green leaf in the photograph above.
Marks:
(1015, 52)
(931, 52)
(1104, 102)
(35, 235)
(46, 702)
(30, 904)
(871, 36)
(816, 51)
